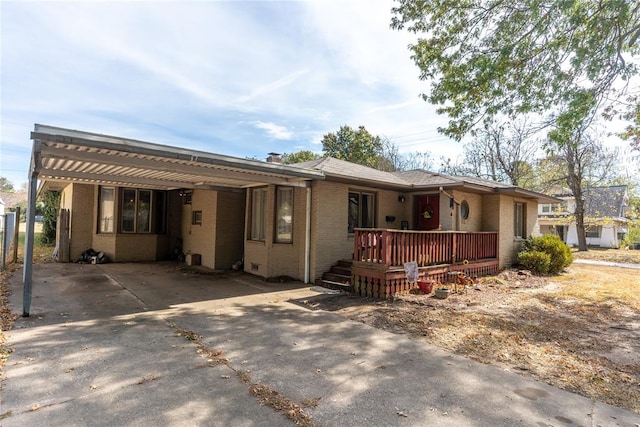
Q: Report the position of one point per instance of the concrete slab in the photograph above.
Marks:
(102, 348)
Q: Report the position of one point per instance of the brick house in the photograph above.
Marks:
(138, 201)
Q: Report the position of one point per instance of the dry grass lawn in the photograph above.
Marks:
(612, 255)
(579, 331)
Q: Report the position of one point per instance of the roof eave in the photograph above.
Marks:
(516, 191)
(65, 136)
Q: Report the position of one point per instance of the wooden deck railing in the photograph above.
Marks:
(395, 247)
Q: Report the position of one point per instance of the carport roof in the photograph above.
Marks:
(61, 156)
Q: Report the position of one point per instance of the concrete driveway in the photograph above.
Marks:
(107, 345)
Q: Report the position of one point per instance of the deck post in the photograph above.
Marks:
(454, 247)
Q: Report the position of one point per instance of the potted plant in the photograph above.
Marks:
(426, 286)
(442, 293)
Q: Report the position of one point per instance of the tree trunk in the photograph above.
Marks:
(574, 180)
(579, 214)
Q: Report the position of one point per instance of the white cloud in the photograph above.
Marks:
(274, 130)
(218, 76)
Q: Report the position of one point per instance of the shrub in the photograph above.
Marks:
(536, 261)
(558, 251)
(51, 202)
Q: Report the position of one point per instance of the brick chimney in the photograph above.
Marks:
(274, 158)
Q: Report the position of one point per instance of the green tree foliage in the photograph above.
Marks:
(629, 111)
(6, 185)
(299, 157)
(50, 206)
(492, 58)
(558, 254)
(361, 147)
(353, 145)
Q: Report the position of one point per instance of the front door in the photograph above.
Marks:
(428, 212)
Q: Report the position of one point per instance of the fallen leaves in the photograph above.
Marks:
(565, 332)
(270, 397)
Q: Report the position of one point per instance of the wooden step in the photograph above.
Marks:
(329, 284)
(334, 277)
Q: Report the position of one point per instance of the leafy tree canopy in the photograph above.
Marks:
(489, 58)
(6, 185)
(299, 157)
(361, 147)
(353, 145)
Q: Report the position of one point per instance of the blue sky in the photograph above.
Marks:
(237, 78)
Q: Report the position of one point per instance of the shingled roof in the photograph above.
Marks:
(606, 202)
(413, 180)
(341, 169)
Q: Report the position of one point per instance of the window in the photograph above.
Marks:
(140, 211)
(284, 214)
(361, 211)
(196, 218)
(520, 220)
(258, 214)
(136, 211)
(593, 231)
(464, 209)
(107, 209)
(546, 208)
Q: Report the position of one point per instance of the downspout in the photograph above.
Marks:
(27, 271)
(307, 236)
(455, 224)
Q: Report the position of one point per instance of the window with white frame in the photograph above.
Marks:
(107, 209)
(284, 214)
(361, 211)
(520, 220)
(258, 214)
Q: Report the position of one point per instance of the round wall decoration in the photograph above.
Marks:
(427, 212)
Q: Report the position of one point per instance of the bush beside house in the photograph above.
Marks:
(546, 254)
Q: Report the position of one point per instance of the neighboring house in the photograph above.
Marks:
(137, 201)
(605, 216)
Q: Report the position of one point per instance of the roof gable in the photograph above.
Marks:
(609, 202)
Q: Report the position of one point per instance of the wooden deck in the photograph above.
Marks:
(380, 254)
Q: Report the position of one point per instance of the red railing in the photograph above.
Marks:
(395, 247)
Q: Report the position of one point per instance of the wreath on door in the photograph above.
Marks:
(427, 213)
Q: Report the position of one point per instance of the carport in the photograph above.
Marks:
(60, 156)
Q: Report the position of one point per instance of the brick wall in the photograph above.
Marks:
(329, 237)
(474, 221)
(83, 219)
(200, 239)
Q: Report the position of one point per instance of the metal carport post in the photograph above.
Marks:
(27, 272)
